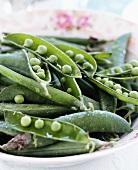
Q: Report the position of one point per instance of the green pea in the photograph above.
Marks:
(134, 71)
(70, 53)
(41, 49)
(28, 42)
(133, 94)
(87, 66)
(40, 70)
(109, 84)
(31, 55)
(35, 61)
(63, 80)
(56, 126)
(128, 66)
(41, 75)
(26, 121)
(104, 80)
(117, 86)
(69, 90)
(19, 99)
(39, 124)
(79, 58)
(98, 78)
(118, 70)
(36, 67)
(53, 59)
(125, 94)
(119, 91)
(134, 63)
(66, 69)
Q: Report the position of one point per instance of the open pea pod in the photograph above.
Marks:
(42, 74)
(125, 71)
(46, 128)
(118, 93)
(85, 62)
(70, 86)
(44, 50)
(56, 95)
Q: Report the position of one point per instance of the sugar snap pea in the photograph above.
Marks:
(97, 121)
(52, 129)
(19, 39)
(84, 61)
(57, 96)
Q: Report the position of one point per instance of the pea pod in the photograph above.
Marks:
(19, 40)
(15, 61)
(118, 50)
(100, 55)
(38, 110)
(5, 128)
(97, 121)
(107, 102)
(121, 72)
(111, 91)
(88, 102)
(90, 67)
(57, 96)
(70, 86)
(52, 129)
(8, 93)
(58, 149)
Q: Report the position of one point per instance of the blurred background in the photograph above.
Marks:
(126, 8)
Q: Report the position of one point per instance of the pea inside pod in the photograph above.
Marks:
(44, 50)
(81, 58)
(57, 130)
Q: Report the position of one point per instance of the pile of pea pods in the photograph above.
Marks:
(62, 96)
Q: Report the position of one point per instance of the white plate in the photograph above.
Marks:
(71, 23)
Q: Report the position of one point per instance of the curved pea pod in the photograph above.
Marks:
(15, 61)
(43, 81)
(8, 93)
(107, 102)
(89, 69)
(5, 128)
(57, 149)
(114, 93)
(56, 95)
(121, 72)
(70, 86)
(52, 129)
(118, 50)
(102, 61)
(18, 39)
(97, 121)
(38, 110)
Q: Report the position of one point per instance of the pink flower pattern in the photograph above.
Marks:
(65, 21)
(82, 21)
